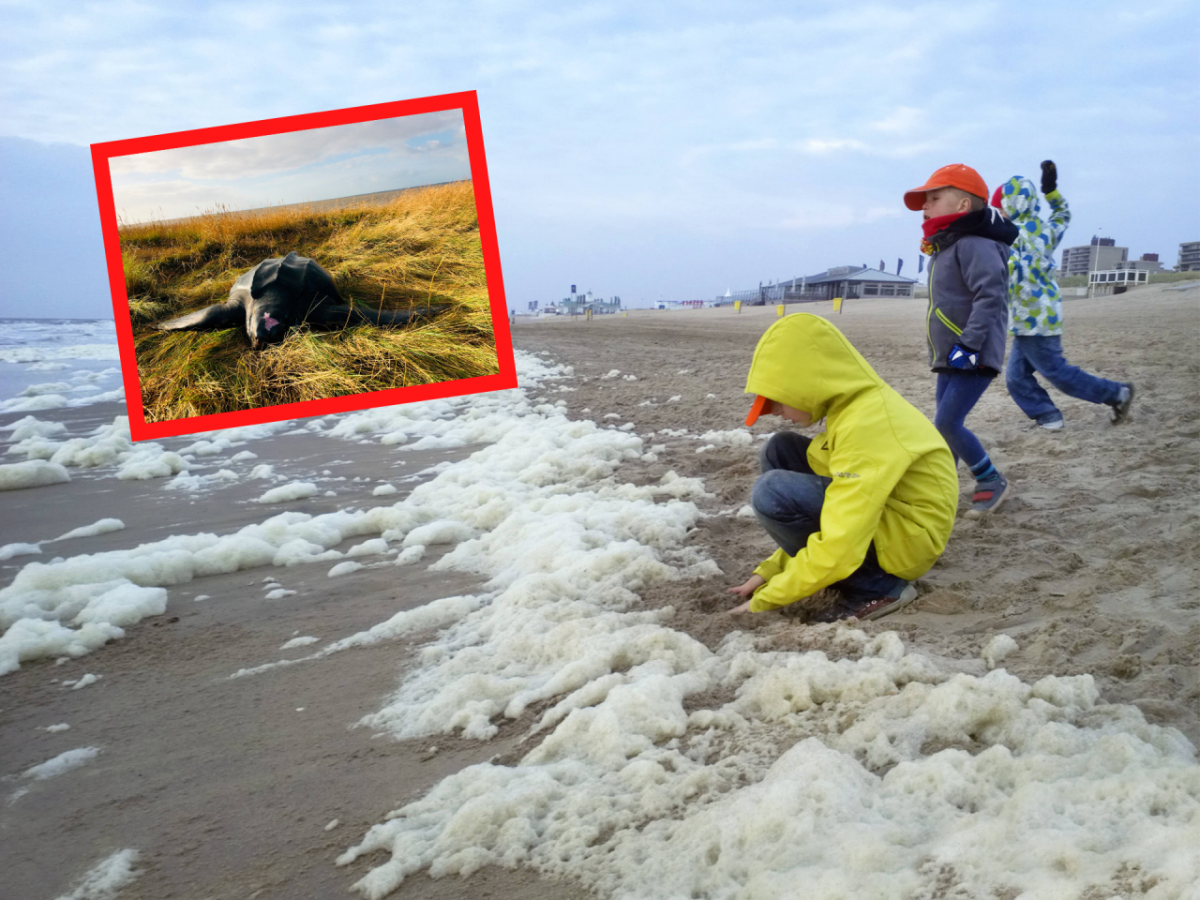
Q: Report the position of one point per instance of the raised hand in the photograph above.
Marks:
(1049, 177)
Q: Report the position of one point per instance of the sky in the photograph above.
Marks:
(294, 167)
(646, 152)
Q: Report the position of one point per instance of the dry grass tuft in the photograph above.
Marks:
(420, 248)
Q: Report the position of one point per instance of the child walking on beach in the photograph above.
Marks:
(968, 244)
(1035, 308)
(864, 507)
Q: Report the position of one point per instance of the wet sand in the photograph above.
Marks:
(224, 786)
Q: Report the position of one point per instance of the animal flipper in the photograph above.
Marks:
(340, 316)
(230, 314)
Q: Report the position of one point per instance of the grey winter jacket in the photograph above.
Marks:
(968, 289)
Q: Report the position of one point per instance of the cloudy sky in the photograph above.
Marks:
(636, 149)
(298, 166)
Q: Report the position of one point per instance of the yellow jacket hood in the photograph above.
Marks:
(804, 361)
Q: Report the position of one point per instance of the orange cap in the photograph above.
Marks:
(759, 407)
(955, 175)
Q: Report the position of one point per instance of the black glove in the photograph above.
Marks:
(1049, 177)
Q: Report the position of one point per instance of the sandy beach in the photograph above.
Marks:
(1094, 565)
(252, 787)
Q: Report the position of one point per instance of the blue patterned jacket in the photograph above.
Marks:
(1034, 303)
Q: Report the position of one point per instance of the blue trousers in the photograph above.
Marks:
(787, 500)
(957, 393)
(1044, 354)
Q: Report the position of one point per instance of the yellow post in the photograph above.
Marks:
(737, 306)
(625, 315)
(837, 305)
(587, 314)
(779, 311)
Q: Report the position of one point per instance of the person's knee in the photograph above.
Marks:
(784, 450)
(781, 495)
(764, 498)
(945, 422)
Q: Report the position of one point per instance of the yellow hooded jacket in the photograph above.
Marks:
(894, 479)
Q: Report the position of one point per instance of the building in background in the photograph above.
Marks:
(849, 282)
(841, 281)
(1102, 253)
(1147, 262)
(577, 304)
(1117, 281)
(1189, 257)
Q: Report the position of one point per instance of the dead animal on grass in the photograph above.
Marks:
(278, 294)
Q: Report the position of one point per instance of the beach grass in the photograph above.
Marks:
(420, 248)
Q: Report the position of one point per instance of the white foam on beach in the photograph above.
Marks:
(8, 551)
(302, 641)
(106, 879)
(64, 762)
(73, 351)
(294, 490)
(103, 526)
(998, 649)
(107, 445)
(30, 474)
(34, 403)
(882, 776)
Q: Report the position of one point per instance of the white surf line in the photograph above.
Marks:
(883, 772)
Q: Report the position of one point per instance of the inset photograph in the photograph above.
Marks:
(306, 271)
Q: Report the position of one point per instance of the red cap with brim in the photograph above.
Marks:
(956, 176)
(760, 404)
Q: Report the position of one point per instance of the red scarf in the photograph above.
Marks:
(930, 227)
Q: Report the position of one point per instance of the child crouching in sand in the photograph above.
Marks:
(866, 506)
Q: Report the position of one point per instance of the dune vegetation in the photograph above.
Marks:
(420, 248)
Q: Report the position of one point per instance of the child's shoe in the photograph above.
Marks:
(1055, 424)
(988, 496)
(867, 609)
(1121, 406)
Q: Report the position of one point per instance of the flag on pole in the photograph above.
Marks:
(920, 264)
(882, 268)
(899, 266)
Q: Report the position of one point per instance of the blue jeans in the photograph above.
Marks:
(1044, 354)
(787, 500)
(957, 393)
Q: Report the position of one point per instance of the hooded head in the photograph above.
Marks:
(1019, 199)
(803, 361)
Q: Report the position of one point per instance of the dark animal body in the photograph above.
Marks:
(280, 293)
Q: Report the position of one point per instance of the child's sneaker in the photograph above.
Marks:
(1124, 400)
(867, 609)
(1052, 424)
(988, 496)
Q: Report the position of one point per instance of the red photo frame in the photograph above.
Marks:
(464, 101)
